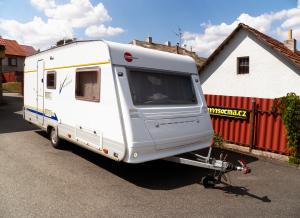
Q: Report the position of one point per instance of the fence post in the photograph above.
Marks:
(252, 123)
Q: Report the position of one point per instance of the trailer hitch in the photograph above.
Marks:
(218, 167)
(244, 168)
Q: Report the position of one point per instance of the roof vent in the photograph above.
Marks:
(290, 43)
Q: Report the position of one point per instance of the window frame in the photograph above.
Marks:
(10, 61)
(48, 73)
(88, 69)
(238, 65)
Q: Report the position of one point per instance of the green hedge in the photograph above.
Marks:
(12, 87)
(289, 108)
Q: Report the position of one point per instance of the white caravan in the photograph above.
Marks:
(125, 102)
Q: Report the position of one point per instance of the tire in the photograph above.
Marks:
(208, 181)
(55, 140)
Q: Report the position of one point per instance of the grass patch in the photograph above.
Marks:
(12, 87)
(294, 160)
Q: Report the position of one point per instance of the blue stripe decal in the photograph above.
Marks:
(42, 114)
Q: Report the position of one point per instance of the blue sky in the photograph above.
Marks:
(205, 23)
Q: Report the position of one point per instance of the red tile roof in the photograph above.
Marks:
(277, 46)
(12, 47)
(2, 41)
(29, 50)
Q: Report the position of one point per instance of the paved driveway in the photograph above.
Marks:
(38, 181)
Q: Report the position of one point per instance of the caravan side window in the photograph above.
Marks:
(51, 80)
(88, 84)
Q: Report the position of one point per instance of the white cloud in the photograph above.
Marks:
(36, 32)
(102, 31)
(293, 18)
(61, 22)
(43, 4)
(212, 35)
(80, 13)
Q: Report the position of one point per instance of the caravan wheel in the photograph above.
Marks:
(55, 140)
(208, 181)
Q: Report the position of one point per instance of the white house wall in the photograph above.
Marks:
(269, 76)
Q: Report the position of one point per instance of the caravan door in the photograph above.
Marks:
(40, 92)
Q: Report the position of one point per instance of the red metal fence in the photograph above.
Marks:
(261, 130)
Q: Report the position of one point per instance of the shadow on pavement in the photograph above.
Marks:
(162, 175)
(11, 118)
(156, 175)
(241, 191)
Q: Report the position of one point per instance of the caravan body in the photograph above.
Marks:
(128, 103)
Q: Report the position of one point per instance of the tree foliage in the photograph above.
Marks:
(289, 108)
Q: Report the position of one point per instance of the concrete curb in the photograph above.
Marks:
(256, 152)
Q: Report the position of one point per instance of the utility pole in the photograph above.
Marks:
(2, 55)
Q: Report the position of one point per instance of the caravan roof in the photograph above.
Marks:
(140, 57)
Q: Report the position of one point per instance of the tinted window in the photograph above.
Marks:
(51, 80)
(149, 88)
(88, 84)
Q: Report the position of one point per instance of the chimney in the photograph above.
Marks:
(177, 48)
(168, 43)
(149, 39)
(290, 43)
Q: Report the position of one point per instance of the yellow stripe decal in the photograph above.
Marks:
(30, 71)
(76, 65)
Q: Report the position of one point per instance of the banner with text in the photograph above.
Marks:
(229, 112)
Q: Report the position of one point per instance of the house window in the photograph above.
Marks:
(88, 84)
(51, 80)
(243, 65)
(12, 61)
